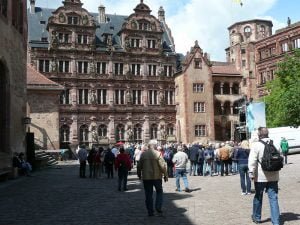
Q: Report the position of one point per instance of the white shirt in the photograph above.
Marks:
(115, 151)
(180, 159)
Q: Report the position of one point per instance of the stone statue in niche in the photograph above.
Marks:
(92, 67)
(130, 133)
(93, 97)
(53, 66)
(128, 97)
(162, 132)
(161, 98)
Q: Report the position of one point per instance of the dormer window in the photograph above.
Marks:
(73, 20)
(63, 38)
(44, 39)
(42, 22)
(144, 26)
(198, 63)
(247, 31)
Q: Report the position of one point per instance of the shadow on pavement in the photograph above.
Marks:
(289, 216)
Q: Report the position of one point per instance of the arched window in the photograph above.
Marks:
(84, 134)
(170, 130)
(137, 133)
(247, 31)
(217, 88)
(235, 89)
(217, 107)
(65, 133)
(153, 131)
(102, 130)
(235, 107)
(227, 110)
(226, 89)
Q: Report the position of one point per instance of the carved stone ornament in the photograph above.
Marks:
(61, 18)
(85, 20)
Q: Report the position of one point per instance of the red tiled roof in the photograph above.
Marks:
(224, 69)
(37, 80)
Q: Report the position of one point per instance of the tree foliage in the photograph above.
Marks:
(283, 102)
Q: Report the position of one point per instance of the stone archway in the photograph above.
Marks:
(5, 108)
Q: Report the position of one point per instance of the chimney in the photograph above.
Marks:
(101, 16)
(161, 14)
(32, 6)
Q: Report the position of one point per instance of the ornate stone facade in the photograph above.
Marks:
(118, 72)
(13, 41)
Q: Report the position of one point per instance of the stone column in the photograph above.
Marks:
(230, 88)
(146, 129)
(110, 95)
(111, 129)
(74, 132)
(73, 96)
(221, 88)
(145, 96)
(231, 109)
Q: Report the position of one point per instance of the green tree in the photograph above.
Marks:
(283, 101)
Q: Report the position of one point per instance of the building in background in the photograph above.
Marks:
(118, 72)
(271, 50)
(242, 36)
(207, 96)
(13, 42)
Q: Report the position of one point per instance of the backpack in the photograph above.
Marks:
(224, 154)
(271, 160)
(207, 155)
(167, 155)
(122, 165)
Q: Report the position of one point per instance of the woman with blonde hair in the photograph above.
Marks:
(242, 155)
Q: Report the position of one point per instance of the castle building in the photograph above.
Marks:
(271, 50)
(242, 36)
(117, 72)
(13, 42)
(207, 96)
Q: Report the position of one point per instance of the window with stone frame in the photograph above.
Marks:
(284, 47)
(137, 97)
(168, 71)
(198, 87)
(200, 130)
(153, 97)
(44, 65)
(82, 67)
(151, 43)
(154, 131)
(120, 132)
(73, 20)
(243, 51)
(135, 43)
(119, 97)
(297, 43)
(118, 69)
(101, 68)
(169, 97)
(3, 7)
(63, 37)
(243, 63)
(83, 96)
(84, 134)
(170, 130)
(137, 133)
(136, 69)
(199, 107)
(82, 39)
(101, 96)
(143, 25)
(65, 133)
(102, 130)
(198, 63)
(152, 70)
(63, 66)
(65, 97)
(247, 31)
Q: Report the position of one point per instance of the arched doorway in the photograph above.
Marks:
(5, 108)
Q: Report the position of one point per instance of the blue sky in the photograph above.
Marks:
(202, 20)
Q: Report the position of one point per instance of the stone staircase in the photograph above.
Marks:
(44, 159)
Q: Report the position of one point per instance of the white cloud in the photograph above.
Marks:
(189, 20)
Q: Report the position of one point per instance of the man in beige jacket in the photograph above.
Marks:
(151, 169)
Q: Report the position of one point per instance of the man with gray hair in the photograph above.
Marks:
(263, 180)
(151, 168)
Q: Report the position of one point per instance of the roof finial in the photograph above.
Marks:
(142, 1)
(289, 21)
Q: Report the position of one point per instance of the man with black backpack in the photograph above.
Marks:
(264, 164)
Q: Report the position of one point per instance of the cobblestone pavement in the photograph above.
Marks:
(58, 196)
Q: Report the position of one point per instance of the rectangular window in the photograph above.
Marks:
(65, 97)
(136, 69)
(63, 66)
(152, 70)
(82, 67)
(198, 64)
(44, 65)
(101, 68)
(118, 68)
(135, 43)
(243, 63)
(284, 47)
(151, 43)
(153, 97)
(101, 96)
(82, 39)
(44, 39)
(199, 107)
(200, 130)
(83, 96)
(169, 97)
(137, 97)
(3, 7)
(63, 38)
(198, 87)
(297, 43)
(72, 20)
(119, 97)
(243, 51)
(168, 71)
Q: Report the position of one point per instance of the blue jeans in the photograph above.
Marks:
(234, 168)
(193, 168)
(244, 178)
(207, 166)
(272, 190)
(181, 173)
(148, 186)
